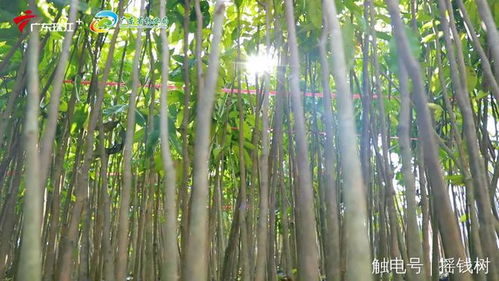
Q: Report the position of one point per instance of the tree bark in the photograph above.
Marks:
(263, 219)
(195, 265)
(123, 222)
(358, 262)
(47, 140)
(170, 239)
(492, 33)
(332, 243)
(69, 237)
(414, 249)
(459, 84)
(308, 259)
(450, 232)
(30, 264)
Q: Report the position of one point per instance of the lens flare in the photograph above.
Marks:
(260, 63)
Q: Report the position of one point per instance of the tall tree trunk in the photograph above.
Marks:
(18, 87)
(123, 223)
(30, 265)
(107, 252)
(492, 33)
(170, 272)
(332, 222)
(243, 206)
(183, 193)
(9, 216)
(357, 244)
(476, 249)
(485, 62)
(480, 183)
(55, 97)
(69, 237)
(450, 232)
(195, 264)
(414, 249)
(263, 219)
(308, 258)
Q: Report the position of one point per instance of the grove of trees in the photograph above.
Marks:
(251, 140)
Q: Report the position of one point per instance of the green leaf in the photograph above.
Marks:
(455, 179)
(481, 95)
(463, 218)
(139, 135)
(471, 78)
(115, 109)
(139, 118)
(80, 115)
(158, 163)
(152, 140)
(383, 35)
(314, 8)
(9, 34)
(437, 109)
(428, 38)
(63, 107)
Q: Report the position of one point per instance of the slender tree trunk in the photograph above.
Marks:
(459, 83)
(333, 233)
(19, 85)
(12, 51)
(414, 248)
(170, 239)
(107, 252)
(485, 62)
(195, 265)
(243, 206)
(308, 259)
(30, 265)
(123, 223)
(492, 33)
(183, 193)
(425, 210)
(263, 220)
(55, 97)
(366, 98)
(69, 237)
(357, 245)
(476, 249)
(450, 231)
(9, 216)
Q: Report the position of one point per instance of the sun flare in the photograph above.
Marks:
(260, 63)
